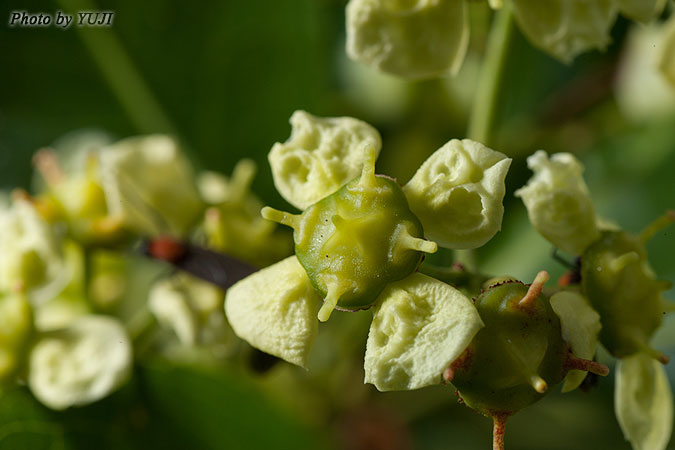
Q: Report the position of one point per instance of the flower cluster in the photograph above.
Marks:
(358, 244)
(429, 38)
(616, 280)
(74, 302)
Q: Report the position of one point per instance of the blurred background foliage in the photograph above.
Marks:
(224, 77)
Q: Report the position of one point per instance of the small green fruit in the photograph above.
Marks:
(618, 282)
(356, 240)
(520, 352)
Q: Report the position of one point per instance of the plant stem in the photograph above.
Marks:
(119, 71)
(484, 112)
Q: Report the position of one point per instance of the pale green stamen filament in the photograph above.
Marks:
(538, 383)
(329, 303)
(653, 353)
(659, 224)
(368, 173)
(620, 262)
(407, 241)
(282, 217)
(242, 177)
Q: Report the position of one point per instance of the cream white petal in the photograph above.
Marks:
(421, 325)
(321, 156)
(580, 328)
(457, 194)
(275, 310)
(566, 28)
(643, 402)
(413, 39)
(558, 202)
(81, 363)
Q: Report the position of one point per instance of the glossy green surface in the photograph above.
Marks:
(624, 292)
(516, 344)
(352, 243)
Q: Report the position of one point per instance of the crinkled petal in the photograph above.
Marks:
(421, 326)
(80, 364)
(565, 28)
(275, 310)
(580, 328)
(457, 194)
(413, 39)
(641, 10)
(558, 202)
(321, 156)
(149, 183)
(644, 402)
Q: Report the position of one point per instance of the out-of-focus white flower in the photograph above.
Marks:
(193, 309)
(150, 184)
(413, 39)
(558, 202)
(642, 90)
(80, 364)
(643, 402)
(30, 259)
(16, 325)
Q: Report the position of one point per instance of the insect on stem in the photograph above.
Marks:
(534, 290)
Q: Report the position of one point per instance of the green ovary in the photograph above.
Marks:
(356, 240)
(619, 284)
(513, 359)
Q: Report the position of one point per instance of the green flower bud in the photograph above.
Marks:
(558, 203)
(321, 155)
(643, 402)
(274, 310)
(409, 38)
(457, 194)
(80, 364)
(618, 282)
(16, 326)
(150, 185)
(356, 240)
(641, 10)
(420, 326)
(565, 28)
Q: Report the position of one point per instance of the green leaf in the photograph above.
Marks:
(644, 402)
